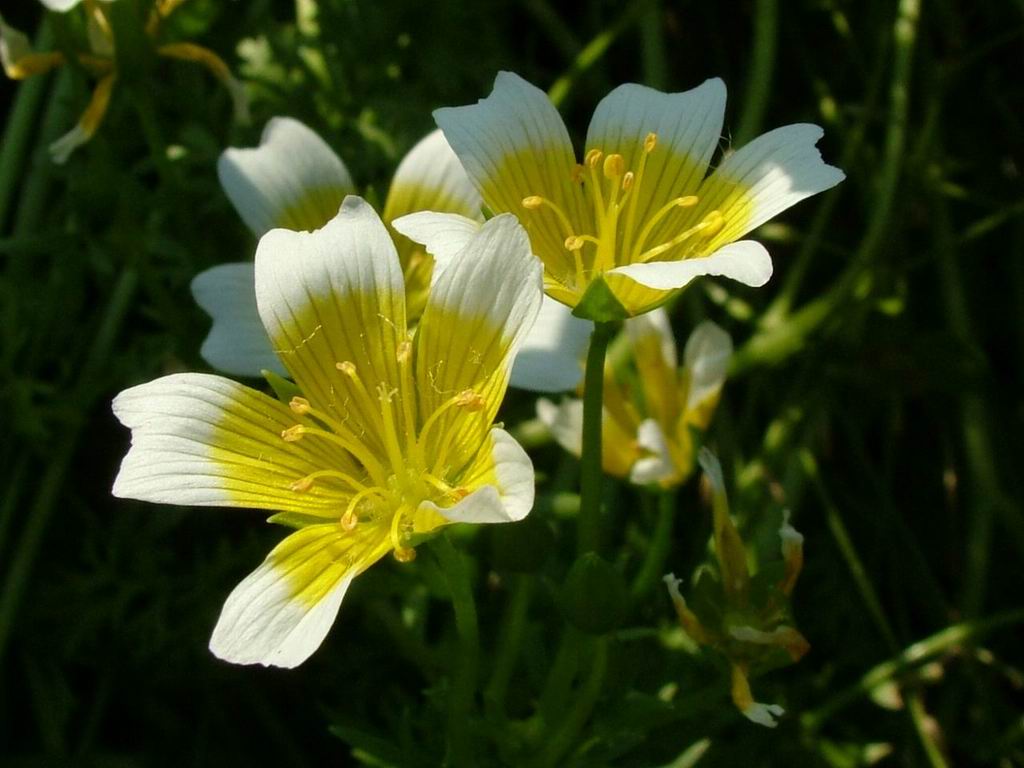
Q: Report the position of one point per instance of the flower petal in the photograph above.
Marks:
(333, 296)
(280, 613)
(564, 422)
(657, 466)
(513, 144)
(687, 127)
(640, 287)
(654, 350)
(237, 342)
(431, 178)
(551, 356)
(503, 477)
(442, 235)
(19, 58)
(204, 440)
(291, 180)
(764, 178)
(477, 315)
(88, 123)
(707, 355)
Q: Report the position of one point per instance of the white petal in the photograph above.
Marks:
(706, 356)
(331, 296)
(564, 421)
(763, 714)
(655, 323)
(442, 235)
(431, 178)
(657, 466)
(510, 497)
(774, 171)
(688, 127)
(62, 6)
(237, 342)
(552, 354)
(746, 261)
(291, 180)
(205, 440)
(280, 613)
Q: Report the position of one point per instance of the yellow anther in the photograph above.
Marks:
(593, 157)
(627, 181)
(349, 520)
(470, 400)
(405, 554)
(533, 202)
(299, 405)
(573, 243)
(687, 202)
(346, 367)
(293, 434)
(459, 493)
(577, 173)
(404, 351)
(301, 485)
(712, 223)
(650, 142)
(614, 166)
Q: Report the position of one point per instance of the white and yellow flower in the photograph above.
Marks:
(652, 422)
(295, 181)
(640, 217)
(392, 435)
(20, 60)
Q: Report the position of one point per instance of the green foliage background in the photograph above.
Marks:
(876, 395)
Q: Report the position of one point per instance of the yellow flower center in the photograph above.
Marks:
(620, 238)
(398, 482)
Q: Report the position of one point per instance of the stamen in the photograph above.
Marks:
(403, 554)
(573, 243)
(299, 406)
(577, 173)
(650, 142)
(404, 351)
(533, 202)
(688, 201)
(614, 166)
(293, 434)
(627, 181)
(706, 228)
(470, 400)
(304, 484)
(593, 157)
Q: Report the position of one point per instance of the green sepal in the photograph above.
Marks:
(283, 388)
(297, 520)
(600, 304)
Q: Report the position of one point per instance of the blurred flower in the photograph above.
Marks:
(639, 218)
(652, 430)
(294, 180)
(100, 60)
(389, 438)
(743, 616)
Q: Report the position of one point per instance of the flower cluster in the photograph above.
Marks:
(390, 339)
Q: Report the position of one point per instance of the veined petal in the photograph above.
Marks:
(431, 178)
(654, 350)
(706, 357)
(291, 180)
(280, 613)
(552, 353)
(477, 314)
(503, 482)
(334, 296)
(640, 287)
(687, 127)
(237, 342)
(764, 178)
(204, 440)
(657, 466)
(513, 144)
(442, 235)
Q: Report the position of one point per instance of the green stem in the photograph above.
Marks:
(51, 484)
(920, 718)
(762, 65)
(463, 688)
(566, 734)
(510, 640)
(590, 469)
(18, 131)
(911, 657)
(657, 551)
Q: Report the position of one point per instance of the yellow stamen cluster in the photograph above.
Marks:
(397, 476)
(613, 190)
